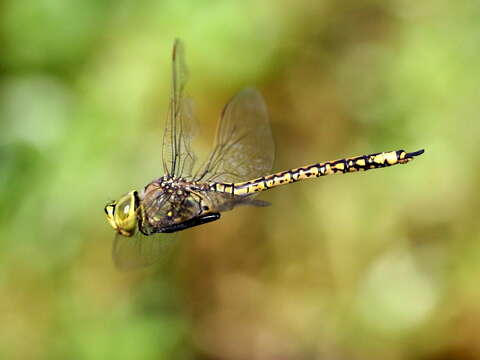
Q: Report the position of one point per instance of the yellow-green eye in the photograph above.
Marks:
(110, 211)
(122, 214)
(123, 209)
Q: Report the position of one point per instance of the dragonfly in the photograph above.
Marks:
(237, 169)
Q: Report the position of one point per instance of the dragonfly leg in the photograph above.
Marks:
(190, 223)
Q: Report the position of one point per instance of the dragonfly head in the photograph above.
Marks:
(122, 214)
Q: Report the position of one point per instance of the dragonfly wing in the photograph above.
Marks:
(177, 156)
(225, 201)
(130, 253)
(244, 147)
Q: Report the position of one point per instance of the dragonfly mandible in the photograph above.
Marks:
(236, 170)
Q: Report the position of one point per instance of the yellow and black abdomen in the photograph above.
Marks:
(341, 166)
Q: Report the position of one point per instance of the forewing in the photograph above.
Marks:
(177, 156)
(244, 147)
(130, 253)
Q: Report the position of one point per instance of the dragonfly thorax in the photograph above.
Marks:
(167, 202)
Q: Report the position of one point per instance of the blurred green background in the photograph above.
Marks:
(377, 265)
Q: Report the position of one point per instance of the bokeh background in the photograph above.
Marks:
(377, 265)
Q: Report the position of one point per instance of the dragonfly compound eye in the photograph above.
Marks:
(110, 211)
(125, 215)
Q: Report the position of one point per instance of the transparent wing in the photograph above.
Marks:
(225, 201)
(244, 147)
(130, 253)
(177, 156)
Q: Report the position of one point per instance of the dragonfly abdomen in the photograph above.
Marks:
(341, 166)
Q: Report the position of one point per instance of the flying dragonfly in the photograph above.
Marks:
(237, 169)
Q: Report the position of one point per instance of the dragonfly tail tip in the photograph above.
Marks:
(415, 153)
